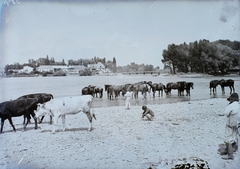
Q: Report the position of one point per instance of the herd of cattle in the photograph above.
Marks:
(40, 104)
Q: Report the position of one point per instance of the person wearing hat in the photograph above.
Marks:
(231, 130)
(148, 113)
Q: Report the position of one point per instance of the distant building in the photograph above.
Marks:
(66, 69)
(26, 69)
(99, 66)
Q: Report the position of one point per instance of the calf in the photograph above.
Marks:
(59, 107)
(17, 108)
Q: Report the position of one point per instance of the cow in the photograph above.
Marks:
(213, 86)
(43, 97)
(189, 85)
(16, 108)
(60, 107)
(224, 83)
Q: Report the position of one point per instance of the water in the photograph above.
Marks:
(12, 88)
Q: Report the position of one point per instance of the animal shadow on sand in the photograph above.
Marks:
(20, 129)
(68, 130)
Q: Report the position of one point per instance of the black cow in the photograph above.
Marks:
(17, 108)
(224, 83)
(213, 86)
(43, 97)
(189, 85)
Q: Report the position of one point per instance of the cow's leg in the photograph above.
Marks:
(63, 122)
(41, 119)
(24, 119)
(233, 88)
(35, 121)
(223, 91)
(10, 121)
(2, 123)
(89, 116)
(55, 121)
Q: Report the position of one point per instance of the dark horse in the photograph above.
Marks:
(224, 83)
(189, 85)
(213, 86)
(98, 90)
(180, 86)
(110, 91)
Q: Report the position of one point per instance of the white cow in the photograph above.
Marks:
(59, 107)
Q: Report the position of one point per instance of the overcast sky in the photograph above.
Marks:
(130, 31)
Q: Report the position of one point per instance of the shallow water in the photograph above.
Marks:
(12, 88)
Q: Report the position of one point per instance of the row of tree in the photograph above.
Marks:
(111, 65)
(202, 56)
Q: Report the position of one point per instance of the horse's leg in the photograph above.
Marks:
(223, 90)
(233, 88)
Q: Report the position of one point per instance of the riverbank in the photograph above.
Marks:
(120, 139)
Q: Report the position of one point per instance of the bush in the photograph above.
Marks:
(59, 73)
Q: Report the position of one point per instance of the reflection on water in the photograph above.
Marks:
(120, 101)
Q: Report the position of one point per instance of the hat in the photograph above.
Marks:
(233, 97)
(144, 107)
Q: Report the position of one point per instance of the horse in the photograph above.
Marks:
(189, 85)
(213, 86)
(224, 83)
(180, 86)
(99, 91)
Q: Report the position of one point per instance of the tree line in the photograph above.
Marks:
(202, 56)
(111, 65)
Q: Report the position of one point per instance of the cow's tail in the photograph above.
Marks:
(91, 109)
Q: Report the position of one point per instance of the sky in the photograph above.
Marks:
(131, 31)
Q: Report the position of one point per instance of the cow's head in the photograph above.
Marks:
(41, 111)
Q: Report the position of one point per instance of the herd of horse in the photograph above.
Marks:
(114, 91)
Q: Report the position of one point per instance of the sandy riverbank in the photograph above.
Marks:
(120, 139)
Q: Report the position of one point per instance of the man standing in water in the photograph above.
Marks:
(231, 130)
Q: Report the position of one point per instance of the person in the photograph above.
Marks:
(231, 129)
(128, 98)
(148, 113)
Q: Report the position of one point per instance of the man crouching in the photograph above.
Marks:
(148, 113)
